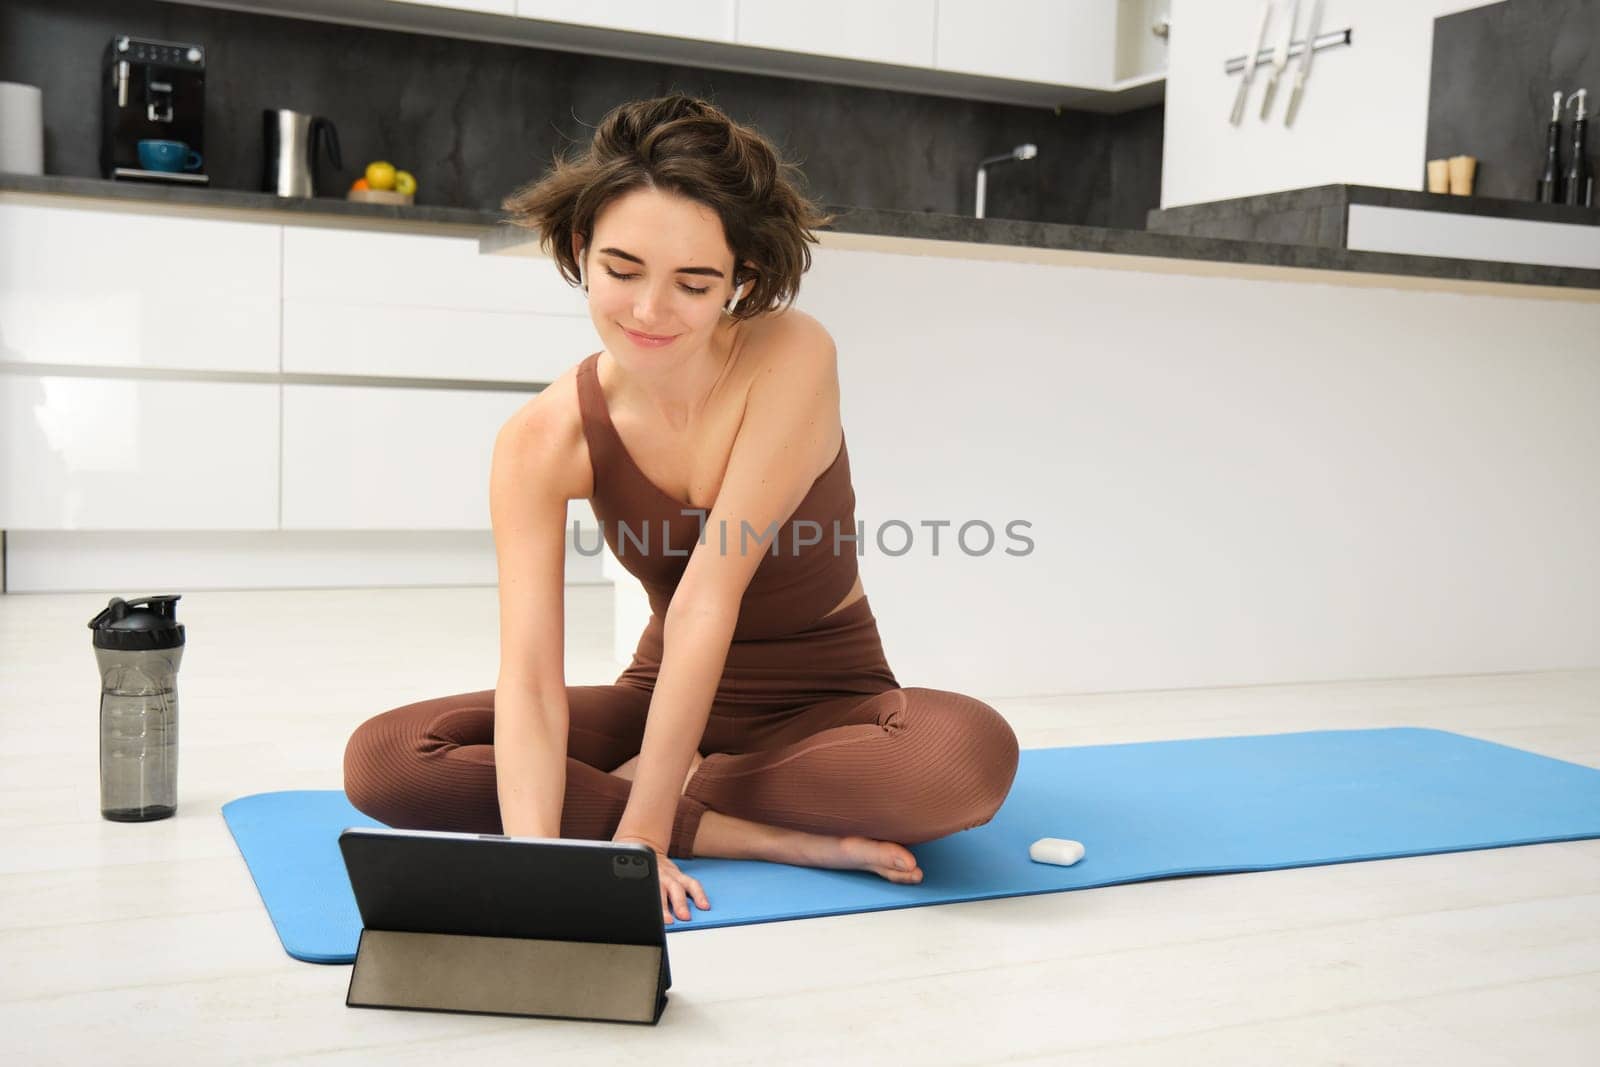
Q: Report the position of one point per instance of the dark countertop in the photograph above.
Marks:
(1195, 249)
(1319, 215)
(420, 217)
(1087, 242)
(1381, 196)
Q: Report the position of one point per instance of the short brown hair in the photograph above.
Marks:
(690, 147)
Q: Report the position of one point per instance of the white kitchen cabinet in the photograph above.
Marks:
(336, 266)
(492, 7)
(116, 289)
(415, 306)
(1140, 52)
(426, 342)
(1058, 42)
(892, 31)
(372, 458)
(127, 454)
(1094, 54)
(705, 20)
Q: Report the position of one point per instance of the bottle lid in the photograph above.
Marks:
(135, 625)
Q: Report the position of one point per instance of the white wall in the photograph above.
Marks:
(1363, 120)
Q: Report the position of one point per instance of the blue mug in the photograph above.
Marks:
(169, 156)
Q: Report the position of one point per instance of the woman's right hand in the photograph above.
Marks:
(677, 888)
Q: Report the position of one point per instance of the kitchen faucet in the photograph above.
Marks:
(1022, 151)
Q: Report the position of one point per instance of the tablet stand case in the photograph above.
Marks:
(509, 976)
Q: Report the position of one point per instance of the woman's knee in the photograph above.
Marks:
(978, 753)
(364, 755)
(378, 767)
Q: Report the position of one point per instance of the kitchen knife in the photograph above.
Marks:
(1280, 58)
(1304, 68)
(1250, 64)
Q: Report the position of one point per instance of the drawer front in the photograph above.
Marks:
(433, 342)
(353, 267)
(123, 454)
(372, 458)
(104, 288)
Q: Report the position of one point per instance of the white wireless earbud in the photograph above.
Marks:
(733, 301)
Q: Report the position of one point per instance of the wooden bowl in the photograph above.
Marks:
(379, 196)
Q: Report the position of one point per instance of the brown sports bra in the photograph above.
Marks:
(796, 583)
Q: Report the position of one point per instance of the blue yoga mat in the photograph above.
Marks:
(1143, 811)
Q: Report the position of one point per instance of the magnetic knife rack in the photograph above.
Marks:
(1331, 39)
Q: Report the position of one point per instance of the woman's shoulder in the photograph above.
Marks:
(551, 412)
(795, 380)
(785, 337)
(548, 430)
(791, 326)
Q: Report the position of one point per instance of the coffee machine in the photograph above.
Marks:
(153, 92)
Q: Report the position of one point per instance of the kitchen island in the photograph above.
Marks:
(1237, 463)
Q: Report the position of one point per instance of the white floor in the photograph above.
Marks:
(147, 943)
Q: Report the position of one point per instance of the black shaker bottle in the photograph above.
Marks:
(138, 645)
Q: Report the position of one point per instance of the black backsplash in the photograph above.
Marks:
(473, 120)
(1494, 70)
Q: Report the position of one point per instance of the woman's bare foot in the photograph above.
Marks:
(856, 854)
(747, 840)
(627, 769)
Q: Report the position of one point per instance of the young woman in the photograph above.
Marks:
(758, 718)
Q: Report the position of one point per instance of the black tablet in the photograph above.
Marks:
(491, 885)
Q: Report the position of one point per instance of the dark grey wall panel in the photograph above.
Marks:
(473, 120)
(1494, 69)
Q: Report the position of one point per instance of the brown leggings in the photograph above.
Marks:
(809, 731)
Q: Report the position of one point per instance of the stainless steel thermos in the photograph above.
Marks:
(289, 148)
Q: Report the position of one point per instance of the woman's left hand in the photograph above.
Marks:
(676, 887)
